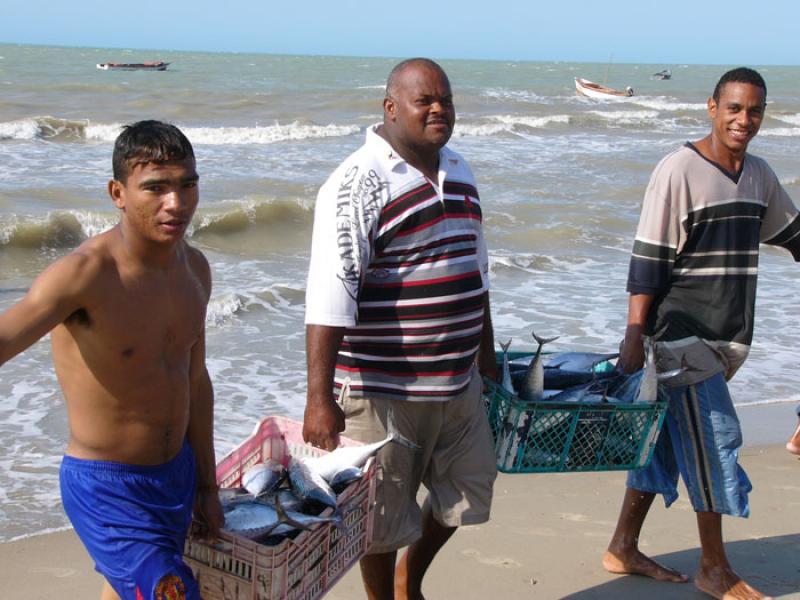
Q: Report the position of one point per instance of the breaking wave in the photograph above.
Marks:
(232, 304)
(68, 228)
(68, 130)
(498, 124)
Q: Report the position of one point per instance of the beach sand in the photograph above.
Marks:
(545, 540)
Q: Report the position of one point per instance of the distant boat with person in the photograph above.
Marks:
(663, 75)
(153, 65)
(584, 87)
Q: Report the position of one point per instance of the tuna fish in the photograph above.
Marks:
(308, 484)
(532, 388)
(254, 519)
(264, 478)
(506, 381)
(346, 458)
(648, 387)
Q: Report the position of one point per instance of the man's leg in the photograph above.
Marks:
(715, 576)
(623, 555)
(108, 592)
(415, 562)
(377, 573)
(793, 445)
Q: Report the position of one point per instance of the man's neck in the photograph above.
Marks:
(714, 151)
(427, 162)
(144, 253)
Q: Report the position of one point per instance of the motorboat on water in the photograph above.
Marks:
(153, 65)
(584, 87)
(663, 75)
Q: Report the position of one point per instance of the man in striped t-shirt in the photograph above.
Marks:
(397, 305)
(692, 282)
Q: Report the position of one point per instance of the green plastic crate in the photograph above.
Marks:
(570, 436)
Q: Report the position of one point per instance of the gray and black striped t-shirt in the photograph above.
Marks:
(696, 251)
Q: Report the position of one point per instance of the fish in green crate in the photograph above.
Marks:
(506, 370)
(532, 387)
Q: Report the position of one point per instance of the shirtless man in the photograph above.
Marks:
(692, 278)
(127, 314)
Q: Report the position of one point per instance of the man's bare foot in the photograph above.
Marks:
(724, 584)
(636, 563)
(793, 445)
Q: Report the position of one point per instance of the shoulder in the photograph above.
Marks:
(760, 165)
(363, 160)
(198, 266)
(91, 261)
(79, 277)
(457, 166)
(677, 161)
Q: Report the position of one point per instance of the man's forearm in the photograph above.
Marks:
(322, 347)
(487, 364)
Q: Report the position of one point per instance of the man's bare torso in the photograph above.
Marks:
(123, 359)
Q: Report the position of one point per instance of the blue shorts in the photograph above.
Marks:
(133, 521)
(700, 440)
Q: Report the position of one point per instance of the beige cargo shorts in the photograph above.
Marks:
(455, 462)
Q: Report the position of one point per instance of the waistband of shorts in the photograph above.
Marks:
(107, 466)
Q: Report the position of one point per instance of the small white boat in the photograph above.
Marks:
(584, 87)
(153, 65)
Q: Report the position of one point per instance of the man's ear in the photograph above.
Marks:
(117, 192)
(389, 108)
(712, 107)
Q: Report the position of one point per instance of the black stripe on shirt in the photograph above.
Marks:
(789, 238)
(453, 308)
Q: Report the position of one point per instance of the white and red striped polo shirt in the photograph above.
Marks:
(401, 263)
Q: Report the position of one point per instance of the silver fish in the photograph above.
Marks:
(308, 484)
(345, 458)
(648, 387)
(506, 381)
(263, 478)
(345, 477)
(256, 519)
(532, 388)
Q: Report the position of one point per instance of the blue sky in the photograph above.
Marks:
(649, 31)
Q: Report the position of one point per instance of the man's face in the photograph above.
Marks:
(420, 107)
(158, 199)
(737, 117)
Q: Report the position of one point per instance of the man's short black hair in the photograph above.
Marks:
(148, 141)
(391, 81)
(740, 75)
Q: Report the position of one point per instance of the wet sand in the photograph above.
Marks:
(545, 540)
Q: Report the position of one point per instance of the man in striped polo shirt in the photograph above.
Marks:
(692, 283)
(397, 303)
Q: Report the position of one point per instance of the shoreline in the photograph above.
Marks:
(545, 540)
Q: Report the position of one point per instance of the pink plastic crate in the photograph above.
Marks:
(303, 568)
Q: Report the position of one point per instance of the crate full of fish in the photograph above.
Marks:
(573, 411)
(296, 517)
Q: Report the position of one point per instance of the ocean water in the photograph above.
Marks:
(561, 180)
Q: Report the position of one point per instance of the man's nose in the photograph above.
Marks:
(175, 200)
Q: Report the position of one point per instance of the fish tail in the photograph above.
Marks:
(394, 432)
(285, 518)
(543, 341)
(506, 345)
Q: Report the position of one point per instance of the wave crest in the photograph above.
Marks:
(55, 129)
